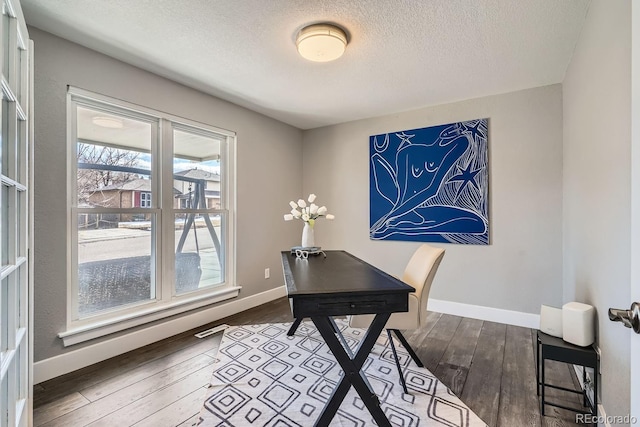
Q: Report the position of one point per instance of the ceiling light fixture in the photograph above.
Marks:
(108, 122)
(321, 42)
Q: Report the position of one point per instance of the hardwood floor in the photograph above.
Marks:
(489, 365)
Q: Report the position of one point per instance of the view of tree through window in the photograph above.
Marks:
(92, 180)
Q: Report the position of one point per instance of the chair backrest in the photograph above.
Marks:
(420, 272)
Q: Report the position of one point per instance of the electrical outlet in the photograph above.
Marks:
(267, 273)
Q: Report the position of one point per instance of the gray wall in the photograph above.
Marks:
(268, 156)
(597, 184)
(522, 268)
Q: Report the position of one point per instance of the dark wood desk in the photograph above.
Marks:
(339, 285)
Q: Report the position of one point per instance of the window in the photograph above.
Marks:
(151, 214)
(145, 200)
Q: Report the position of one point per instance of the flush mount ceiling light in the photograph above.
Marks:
(108, 122)
(321, 42)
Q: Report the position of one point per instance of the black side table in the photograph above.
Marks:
(552, 348)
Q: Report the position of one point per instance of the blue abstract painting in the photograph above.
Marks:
(431, 184)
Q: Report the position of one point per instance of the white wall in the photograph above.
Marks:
(522, 267)
(268, 157)
(597, 185)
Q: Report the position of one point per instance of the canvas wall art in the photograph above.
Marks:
(431, 184)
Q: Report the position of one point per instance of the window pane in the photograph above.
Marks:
(6, 31)
(196, 168)
(199, 252)
(21, 209)
(4, 214)
(116, 261)
(18, 73)
(114, 161)
(21, 369)
(4, 401)
(4, 316)
(21, 293)
(6, 143)
(21, 168)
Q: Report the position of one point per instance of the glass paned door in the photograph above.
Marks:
(15, 382)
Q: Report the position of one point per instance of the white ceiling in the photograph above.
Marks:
(402, 54)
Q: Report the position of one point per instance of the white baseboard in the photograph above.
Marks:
(76, 359)
(498, 315)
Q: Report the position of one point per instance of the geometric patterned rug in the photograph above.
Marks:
(262, 377)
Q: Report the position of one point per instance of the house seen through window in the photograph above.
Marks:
(145, 234)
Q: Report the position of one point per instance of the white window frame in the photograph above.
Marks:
(167, 303)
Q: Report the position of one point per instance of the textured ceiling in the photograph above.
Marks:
(402, 54)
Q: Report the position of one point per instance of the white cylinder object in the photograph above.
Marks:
(578, 323)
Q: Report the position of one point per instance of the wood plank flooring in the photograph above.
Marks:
(490, 366)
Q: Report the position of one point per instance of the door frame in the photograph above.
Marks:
(634, 285)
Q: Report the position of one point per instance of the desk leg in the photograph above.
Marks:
(351, 367)
(294, 326)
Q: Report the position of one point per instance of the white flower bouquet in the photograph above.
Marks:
(307, 213)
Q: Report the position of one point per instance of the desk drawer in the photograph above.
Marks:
(342, 306)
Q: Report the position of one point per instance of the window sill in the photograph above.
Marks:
(86, 332)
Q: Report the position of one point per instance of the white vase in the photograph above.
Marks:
(307, 236)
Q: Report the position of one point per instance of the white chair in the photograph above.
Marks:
(418, 273)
